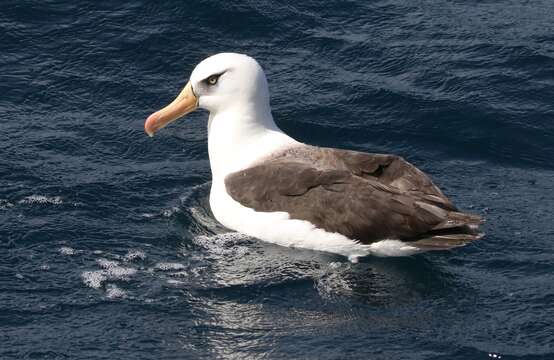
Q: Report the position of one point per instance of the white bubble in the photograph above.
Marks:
(120, 273)
(331, 281)
(114, 292)
(67, 251)
(93, 279)
(106, 264)
(174, 282)
(148, 215)
(111, 270)
(223, 244)
(169, 212)
(41, 199)
(134, 255)
(165, 266)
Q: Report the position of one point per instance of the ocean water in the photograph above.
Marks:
(108, 249)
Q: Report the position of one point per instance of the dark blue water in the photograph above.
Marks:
(108, 249)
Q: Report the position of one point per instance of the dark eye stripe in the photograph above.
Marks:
(212, 79)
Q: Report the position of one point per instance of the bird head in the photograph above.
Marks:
(219, 83)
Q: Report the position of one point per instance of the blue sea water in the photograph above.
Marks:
(108, 249)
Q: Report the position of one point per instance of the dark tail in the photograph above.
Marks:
(459, 229)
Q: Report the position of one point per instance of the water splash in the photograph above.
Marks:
(41, 199)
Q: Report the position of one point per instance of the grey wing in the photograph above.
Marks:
(337, 200)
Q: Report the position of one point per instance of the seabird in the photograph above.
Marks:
(267, 185)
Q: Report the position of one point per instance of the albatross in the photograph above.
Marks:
(267, 185)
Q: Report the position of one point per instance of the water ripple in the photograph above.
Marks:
(108, 245)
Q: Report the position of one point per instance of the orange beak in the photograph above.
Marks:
(183, 104)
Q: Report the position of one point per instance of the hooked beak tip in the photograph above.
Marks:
(150, 125)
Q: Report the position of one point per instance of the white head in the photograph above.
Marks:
(222, 82)
(228, 79)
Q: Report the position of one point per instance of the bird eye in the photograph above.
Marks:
(212, 80)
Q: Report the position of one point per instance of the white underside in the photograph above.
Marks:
(278, 228)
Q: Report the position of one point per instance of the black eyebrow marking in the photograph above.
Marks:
(216, 74)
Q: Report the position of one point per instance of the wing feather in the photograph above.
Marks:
(366, 197)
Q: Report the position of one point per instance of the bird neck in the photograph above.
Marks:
(240, 136)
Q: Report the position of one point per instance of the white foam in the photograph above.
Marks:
(331, 280)
(120, 273)
(106, 264)
(175, 282)
(67, 251)
(115, 292)
(94, 279)
(111, 270)
(41, 199)
(148, 215)
(169, 212)
(165, 213)
(134, 255)
(165, 266)
(223, 244)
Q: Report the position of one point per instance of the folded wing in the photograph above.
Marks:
(366, 197)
